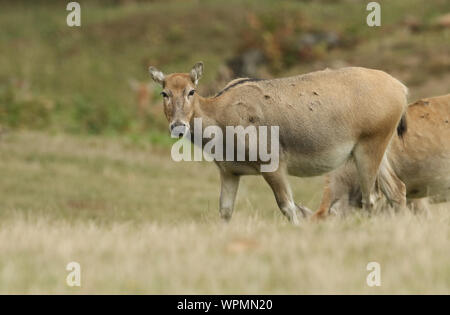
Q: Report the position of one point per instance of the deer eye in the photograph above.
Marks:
(191, 92)
(164, 94)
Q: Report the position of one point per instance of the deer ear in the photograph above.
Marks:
(156, 75)
(196, 72)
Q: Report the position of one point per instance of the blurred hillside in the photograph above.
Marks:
(93, 79)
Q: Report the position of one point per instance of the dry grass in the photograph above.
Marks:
(139, 223)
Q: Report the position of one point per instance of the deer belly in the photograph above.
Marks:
(318, 163)
(439, 185)
(427, 177)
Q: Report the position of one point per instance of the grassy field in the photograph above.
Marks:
(86, 177)
(137, 222)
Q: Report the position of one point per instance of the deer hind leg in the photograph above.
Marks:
(228, 191)
(280, 186)
(391, 186)
(368, 155)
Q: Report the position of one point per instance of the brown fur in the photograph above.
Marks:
(420, 158)
(326, 118)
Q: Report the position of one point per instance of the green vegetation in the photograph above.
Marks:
(75, 80)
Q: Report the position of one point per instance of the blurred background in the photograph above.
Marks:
(93, 79)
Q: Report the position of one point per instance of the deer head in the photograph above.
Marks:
(179, 95)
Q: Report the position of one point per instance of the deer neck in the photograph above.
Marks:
(204, 108)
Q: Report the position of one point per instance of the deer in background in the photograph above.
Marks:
(148, 112)
(418, 156)
(144, 94)
(325, 119)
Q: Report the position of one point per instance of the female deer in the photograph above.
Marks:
(325, 118)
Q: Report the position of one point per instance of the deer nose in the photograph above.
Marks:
(178, 129)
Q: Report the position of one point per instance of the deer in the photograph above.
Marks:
(418, 155)
(143, 95)
(325, 118)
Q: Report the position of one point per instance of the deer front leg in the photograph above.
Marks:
(229, 187)
(280, 186)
